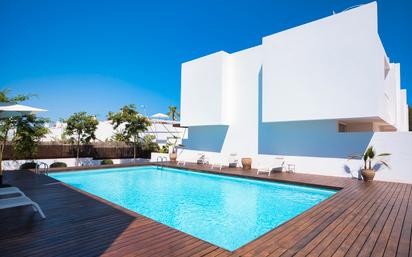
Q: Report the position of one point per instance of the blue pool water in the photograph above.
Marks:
(226, 211)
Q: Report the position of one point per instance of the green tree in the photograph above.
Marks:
(173, 113)
(7, 124)
(5, 98)
(80, 129)
(149, 143)
(129, 123)
(22, 125)
(29, 132)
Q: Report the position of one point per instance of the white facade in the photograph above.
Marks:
(314, 94)
(211, 74)
(163, 131)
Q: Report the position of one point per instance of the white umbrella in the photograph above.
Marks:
(13, 110)
(159, 116)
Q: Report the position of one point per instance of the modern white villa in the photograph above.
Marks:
(311, 95)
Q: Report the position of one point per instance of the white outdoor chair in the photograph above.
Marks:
(202, 158)
(20, 201)
(278, 164)
(181, 162)
(186, 161)
(218, 165)
(11, 190)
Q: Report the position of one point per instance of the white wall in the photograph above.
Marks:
(404, 112)
(399, 144)
(71, 162)
(287, 95)
(203, 90)
(242, 133)
(15, 164)
(399, 105)
(390, 98)
(331, 68)
(55, 132)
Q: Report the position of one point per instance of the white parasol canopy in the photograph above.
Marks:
(159, 116)
(13, 110)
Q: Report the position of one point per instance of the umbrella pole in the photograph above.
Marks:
(1, 174)
(1, 162)
(1, 169)
(2, 146)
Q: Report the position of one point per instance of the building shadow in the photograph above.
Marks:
(315, 138)
(206, 138)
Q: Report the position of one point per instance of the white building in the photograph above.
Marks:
(314, 95)
(164, 131)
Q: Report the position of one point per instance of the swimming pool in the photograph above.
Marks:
(226, 211)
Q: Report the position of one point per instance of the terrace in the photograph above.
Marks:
(363, 219)
(329, 109)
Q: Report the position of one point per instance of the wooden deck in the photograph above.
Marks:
(373, 219)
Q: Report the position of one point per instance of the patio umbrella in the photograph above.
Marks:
(160, 116)
(14, 110)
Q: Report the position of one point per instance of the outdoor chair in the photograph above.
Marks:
(278, 164)
(20, 201)
(10, 190)
(217, 164)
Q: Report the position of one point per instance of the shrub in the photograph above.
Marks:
(58, 165)
(28, 165)
(149, 144)
(164, 149)
(106, 162)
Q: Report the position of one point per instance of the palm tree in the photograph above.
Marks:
(173, 113)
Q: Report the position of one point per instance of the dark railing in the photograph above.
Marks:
(95, 151)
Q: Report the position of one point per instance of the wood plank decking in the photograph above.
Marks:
(373, 219)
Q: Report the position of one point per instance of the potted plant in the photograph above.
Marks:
(368, 171)
(247, 163)
(173, 155)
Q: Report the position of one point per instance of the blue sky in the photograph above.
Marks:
(97, 56)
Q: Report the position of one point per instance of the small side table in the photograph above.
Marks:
(233, 165)
(291, 168)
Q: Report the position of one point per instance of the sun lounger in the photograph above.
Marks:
(217, 165)
(279, 164)
(20, 201)
(10, 190)
(181, 162)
